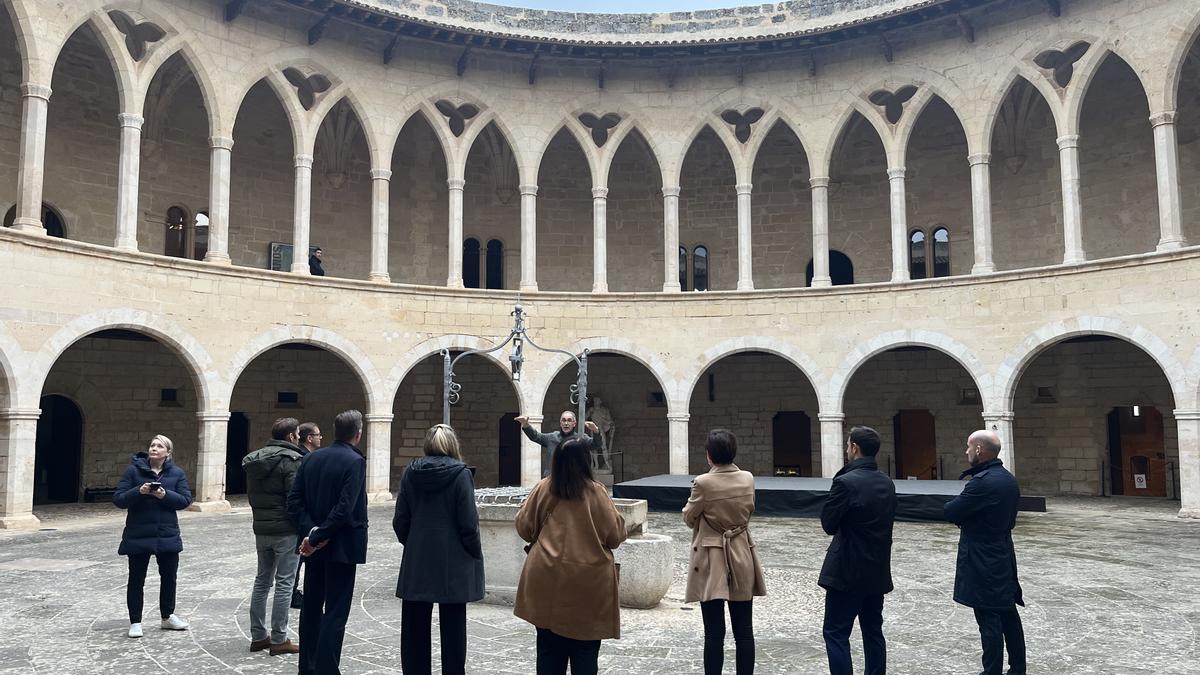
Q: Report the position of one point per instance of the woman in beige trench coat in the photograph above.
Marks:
(568, 586)
(724, 566)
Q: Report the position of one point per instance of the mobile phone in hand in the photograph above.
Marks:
(155, 486)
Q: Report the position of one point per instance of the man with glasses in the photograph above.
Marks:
(310, 436)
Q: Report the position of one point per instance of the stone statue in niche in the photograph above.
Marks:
(602, 416)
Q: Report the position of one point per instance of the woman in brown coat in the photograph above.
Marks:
(568, 586)
(724, 566)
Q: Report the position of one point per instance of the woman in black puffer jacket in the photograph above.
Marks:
(153, 488)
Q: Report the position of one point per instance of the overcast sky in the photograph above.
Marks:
(611, 6)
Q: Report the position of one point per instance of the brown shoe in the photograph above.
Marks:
(259, 645)
(285, 647)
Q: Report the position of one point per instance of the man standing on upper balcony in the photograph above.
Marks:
(314, 263)
(551, 441)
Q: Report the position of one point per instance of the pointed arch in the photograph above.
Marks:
(1018, 74)
(1085, 74)
(842, 125)
(575, 131)
(623, 132)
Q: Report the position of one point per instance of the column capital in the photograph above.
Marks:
(20, 413)
(456, 183)
(831, 417)
(375, 418)
(670, 190)
(1161, 118)
(35, 90)
(1182, 414)
(220, 143)
(896, 172)
(528, 190)
(599, 193)
(304, 161)
(1002, 416)
(678, 417)
(818, 182)
(381, 174)
(1068, 141)
(132, 120)
(212, 416)
(979, 158)
(744, 188)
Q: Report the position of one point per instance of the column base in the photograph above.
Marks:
(380, 497)
(300, 268)
(745, 285)
(218, 506)
(600, 288)
(126, 246)
(672, 288)
(821, 282)
(379, 278)
(983, 268)
(27, 521)
(527, 288)
(899, 278)
(1074, 260)
(218, 258)
(1170, 245)
(30, 226)
(1189, 513)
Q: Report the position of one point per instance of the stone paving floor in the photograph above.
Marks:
(1112, 587)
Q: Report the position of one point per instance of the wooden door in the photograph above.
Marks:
(510, 449)
(1142, 456)
(916, 445)
(791, 439)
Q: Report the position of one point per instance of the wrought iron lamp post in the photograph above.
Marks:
(518, 336)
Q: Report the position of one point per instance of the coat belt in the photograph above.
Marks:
(726, 535)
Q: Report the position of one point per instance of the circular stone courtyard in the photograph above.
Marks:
(1110, 587)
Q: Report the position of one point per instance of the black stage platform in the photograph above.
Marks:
(803, 497)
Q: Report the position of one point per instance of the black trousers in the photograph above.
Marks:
(415, 648)
(328, 594)
(1000, 628)
(554, 652)
(168, 570)
(741, 618)
(841, 609)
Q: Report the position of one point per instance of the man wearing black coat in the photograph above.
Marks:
(857, 572)
(986, 573)
(328, 504)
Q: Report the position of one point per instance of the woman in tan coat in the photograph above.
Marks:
(724, 565)
(568, 586)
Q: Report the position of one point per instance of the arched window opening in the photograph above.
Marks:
(470, 263)
(916, 255)
(495, 263)
(941, 252)
(683, 268)
(50, 220)
(841, 270)
(700, 268)
(175, 237)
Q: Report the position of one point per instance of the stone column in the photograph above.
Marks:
(380, 181)
(454, 278)
(208, 486)
(1189, 462)
(220, 157)
(18, 438)
(1166, 164)
(531, 455)
(128, 166)
(35, 104)
(677, 441)
(745, 248)
(529, 239)
(899, 211)
(1068, 159)
(302, 212)
(820, 234)
(833, 443)
(981, 212)
(1002, 424)
(379, 456)
(670, 239)
(599, 240)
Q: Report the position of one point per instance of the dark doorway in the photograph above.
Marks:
(237, 444)
(1137, 459)
(791, 438)
(58, 451)
(495, 264)
(50, 220)
(841, 270)
(510, 450)
(470, 263)
(916, 445)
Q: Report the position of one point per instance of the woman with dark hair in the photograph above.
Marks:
(438, 525)
(152, 489)
(724, 567)
(568, 586)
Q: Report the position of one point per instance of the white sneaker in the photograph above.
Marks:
(173, 623)
(135, 630)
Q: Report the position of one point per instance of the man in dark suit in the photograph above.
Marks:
(857, 572)
(985, 576)
(328, 504)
